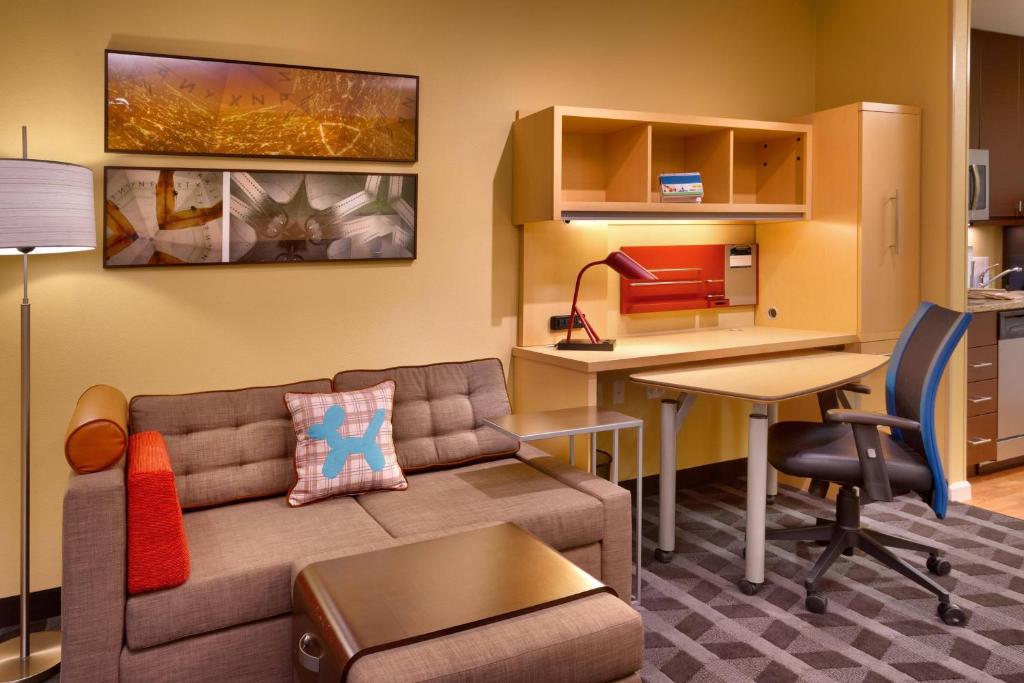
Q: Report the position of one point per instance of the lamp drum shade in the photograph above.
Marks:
(47, 206)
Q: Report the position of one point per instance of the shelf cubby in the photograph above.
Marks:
(768, 167)
(605, 161)
(677, 149)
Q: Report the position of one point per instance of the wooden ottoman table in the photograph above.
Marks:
(491, 604)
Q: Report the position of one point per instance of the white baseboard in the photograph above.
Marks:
(960, 491)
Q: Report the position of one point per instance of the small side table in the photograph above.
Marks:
(572, 422)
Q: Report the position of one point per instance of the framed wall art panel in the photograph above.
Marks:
(164, 104)
(168, 216)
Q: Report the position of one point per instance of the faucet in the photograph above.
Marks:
(986, 281)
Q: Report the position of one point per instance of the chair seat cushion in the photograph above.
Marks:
(242, 557)
(506, 490)
(828, 451)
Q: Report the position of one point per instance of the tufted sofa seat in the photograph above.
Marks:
(232, 455)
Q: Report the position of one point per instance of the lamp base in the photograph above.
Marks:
(43, 658)
(603, 345)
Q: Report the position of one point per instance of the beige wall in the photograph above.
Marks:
(900, 52)
(187, 329)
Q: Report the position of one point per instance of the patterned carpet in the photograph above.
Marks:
(879, 626)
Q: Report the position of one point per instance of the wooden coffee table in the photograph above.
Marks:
(354, 606)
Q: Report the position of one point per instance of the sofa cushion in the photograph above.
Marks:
(225, 445)
(344, 443)
(506, 490)
(242, 558)
(439, 411)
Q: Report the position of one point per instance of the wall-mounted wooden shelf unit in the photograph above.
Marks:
(571, 162)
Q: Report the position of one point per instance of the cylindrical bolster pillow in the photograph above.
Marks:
(97, 435)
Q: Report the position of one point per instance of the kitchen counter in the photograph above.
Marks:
(983, 305)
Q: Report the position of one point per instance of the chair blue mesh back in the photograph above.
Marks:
(915, 370)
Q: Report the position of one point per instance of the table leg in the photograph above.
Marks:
(757, 481)
(639, 503)
(615, 457)
(593, 453)
(673, 414)
(773, 474)
(572, 449)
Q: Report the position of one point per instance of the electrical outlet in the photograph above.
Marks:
(655, 392)
(619, 392)
(561, 322)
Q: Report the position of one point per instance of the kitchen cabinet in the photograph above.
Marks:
(997, 116)
(982, 382)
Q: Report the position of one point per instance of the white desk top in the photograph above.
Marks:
(767, 379)
(686, 347)
(551, 423)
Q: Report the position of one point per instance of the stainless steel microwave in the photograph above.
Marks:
(977, 185)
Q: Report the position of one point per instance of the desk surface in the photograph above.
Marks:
(686, 347)
(767, 379)
(547, 424)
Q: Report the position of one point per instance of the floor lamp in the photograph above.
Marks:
(46, 207)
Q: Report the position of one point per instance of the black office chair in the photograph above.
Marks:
(849, 450)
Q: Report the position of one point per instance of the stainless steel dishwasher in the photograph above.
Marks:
(1011, 385)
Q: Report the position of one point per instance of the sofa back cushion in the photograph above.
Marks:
(225, 445)
(439, 411)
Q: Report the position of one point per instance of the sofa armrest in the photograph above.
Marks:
(616, 544)
(93, 590)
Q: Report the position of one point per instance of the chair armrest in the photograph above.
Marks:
(855, 387)
(863, 417)
(93, 590)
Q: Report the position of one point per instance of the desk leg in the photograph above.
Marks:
(639, 503)
(773, 474)
(572, 449)
(673, 414)
(757, 480)
(593, 453)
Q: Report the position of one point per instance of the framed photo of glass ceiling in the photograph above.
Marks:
(167, 216)
(164, 104)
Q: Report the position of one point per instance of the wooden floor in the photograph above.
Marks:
(1001, 492)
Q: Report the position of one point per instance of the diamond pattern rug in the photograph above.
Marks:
(878, 627)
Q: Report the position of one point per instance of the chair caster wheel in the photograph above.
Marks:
(937, 566)
(749, 587)
(770, 499)
(951, 614)
(848, 552)
(816, 602)
(663, 556)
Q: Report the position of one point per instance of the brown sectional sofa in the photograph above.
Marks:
(232, 456)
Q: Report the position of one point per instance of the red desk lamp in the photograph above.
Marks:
(624, 266)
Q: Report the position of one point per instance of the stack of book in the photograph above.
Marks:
(681, 187)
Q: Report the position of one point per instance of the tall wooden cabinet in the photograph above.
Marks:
(865, 228)
(997, 116)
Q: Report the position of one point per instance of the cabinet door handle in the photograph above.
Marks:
(895, 245)
(973, 187)
(1020, 206)
(979, 399)
(978, 442)
(979, 366)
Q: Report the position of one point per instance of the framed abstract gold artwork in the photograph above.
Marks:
(167, 216)
(164, 104)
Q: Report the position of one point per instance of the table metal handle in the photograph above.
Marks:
(716, 296)
(979, 399)
(714, 282)
(978, 366)
(657, 283)
(309, 661)
(978, 442)
(674, 270)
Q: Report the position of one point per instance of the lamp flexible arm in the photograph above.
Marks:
(574, 312)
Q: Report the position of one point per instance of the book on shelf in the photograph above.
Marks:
(681, 187)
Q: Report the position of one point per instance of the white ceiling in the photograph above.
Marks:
(1002, 16)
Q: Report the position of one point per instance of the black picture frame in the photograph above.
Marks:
(120, 232)
(111, 99)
